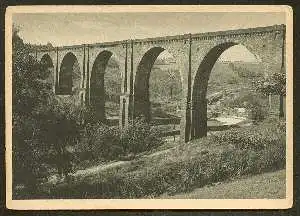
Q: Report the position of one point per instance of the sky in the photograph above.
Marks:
(83, 28)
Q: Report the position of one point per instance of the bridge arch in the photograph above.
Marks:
(141, 83)
(46, 66)
(98, 92)
(143, 104)
(200, 86)
(68, 68)
(47, 60)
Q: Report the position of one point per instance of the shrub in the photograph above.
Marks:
(278, 123)
(274, 84)
(108, 143)
(253, 138)
(99, 141)
(255, 103)
(258, 111)
(139, 137)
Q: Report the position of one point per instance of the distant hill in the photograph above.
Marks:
(228, 78)
(233, 75)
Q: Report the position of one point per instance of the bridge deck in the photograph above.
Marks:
(177, 37)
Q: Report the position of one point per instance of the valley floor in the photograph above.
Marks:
(270, 185)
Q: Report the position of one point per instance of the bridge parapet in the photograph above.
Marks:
(176, 38)
(238, 32)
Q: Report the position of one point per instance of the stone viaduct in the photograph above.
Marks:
(195, 55)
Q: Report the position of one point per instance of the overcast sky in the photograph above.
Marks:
(83, 28)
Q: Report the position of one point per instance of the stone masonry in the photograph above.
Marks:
(195, 55)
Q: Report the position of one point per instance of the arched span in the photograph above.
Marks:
(97, 88)
(199, 102)
(46, 60)
(46, 66)
(66, 74)
(141, 84)
(204, 70)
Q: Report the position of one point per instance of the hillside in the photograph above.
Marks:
(228, 80)
(270, 185)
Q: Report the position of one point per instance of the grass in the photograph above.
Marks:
(184, 167)
(270, 185)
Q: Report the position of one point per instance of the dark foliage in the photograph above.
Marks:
(41, 127)
(101, 142)
(255, 103)
(273, 85)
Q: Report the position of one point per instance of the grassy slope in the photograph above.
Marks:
(269, 185)
(178, 170)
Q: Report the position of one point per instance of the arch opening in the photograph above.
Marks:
(221, 75)
(141, 84)
(158, 90)
(68, 70)
(46, 67)
(105, 87)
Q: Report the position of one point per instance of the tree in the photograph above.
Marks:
(273, 85)
(49, 45)
(28, 95)
(42, 128)
(61, 124)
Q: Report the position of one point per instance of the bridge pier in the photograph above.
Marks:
(199, 120)
(127, 97)
(124, 111)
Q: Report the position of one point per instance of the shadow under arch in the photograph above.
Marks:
(97, 88)
(141, 83)
(46, 66)
(199, 101)
(66, 74)
(47, 60)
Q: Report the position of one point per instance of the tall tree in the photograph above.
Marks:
(273, 85)
(42, 127)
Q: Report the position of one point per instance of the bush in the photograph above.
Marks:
(108, 143)
(99, 141)
(272, 85)
(140, 137)
(256, 104)
(258, 110)
(253, 138)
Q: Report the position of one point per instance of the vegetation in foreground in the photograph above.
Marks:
(269, 185)
(222, 156)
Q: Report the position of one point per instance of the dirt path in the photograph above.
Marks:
(230, 120)
(54, 179)
(267, 185)
(102, 167)
(99, 168)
